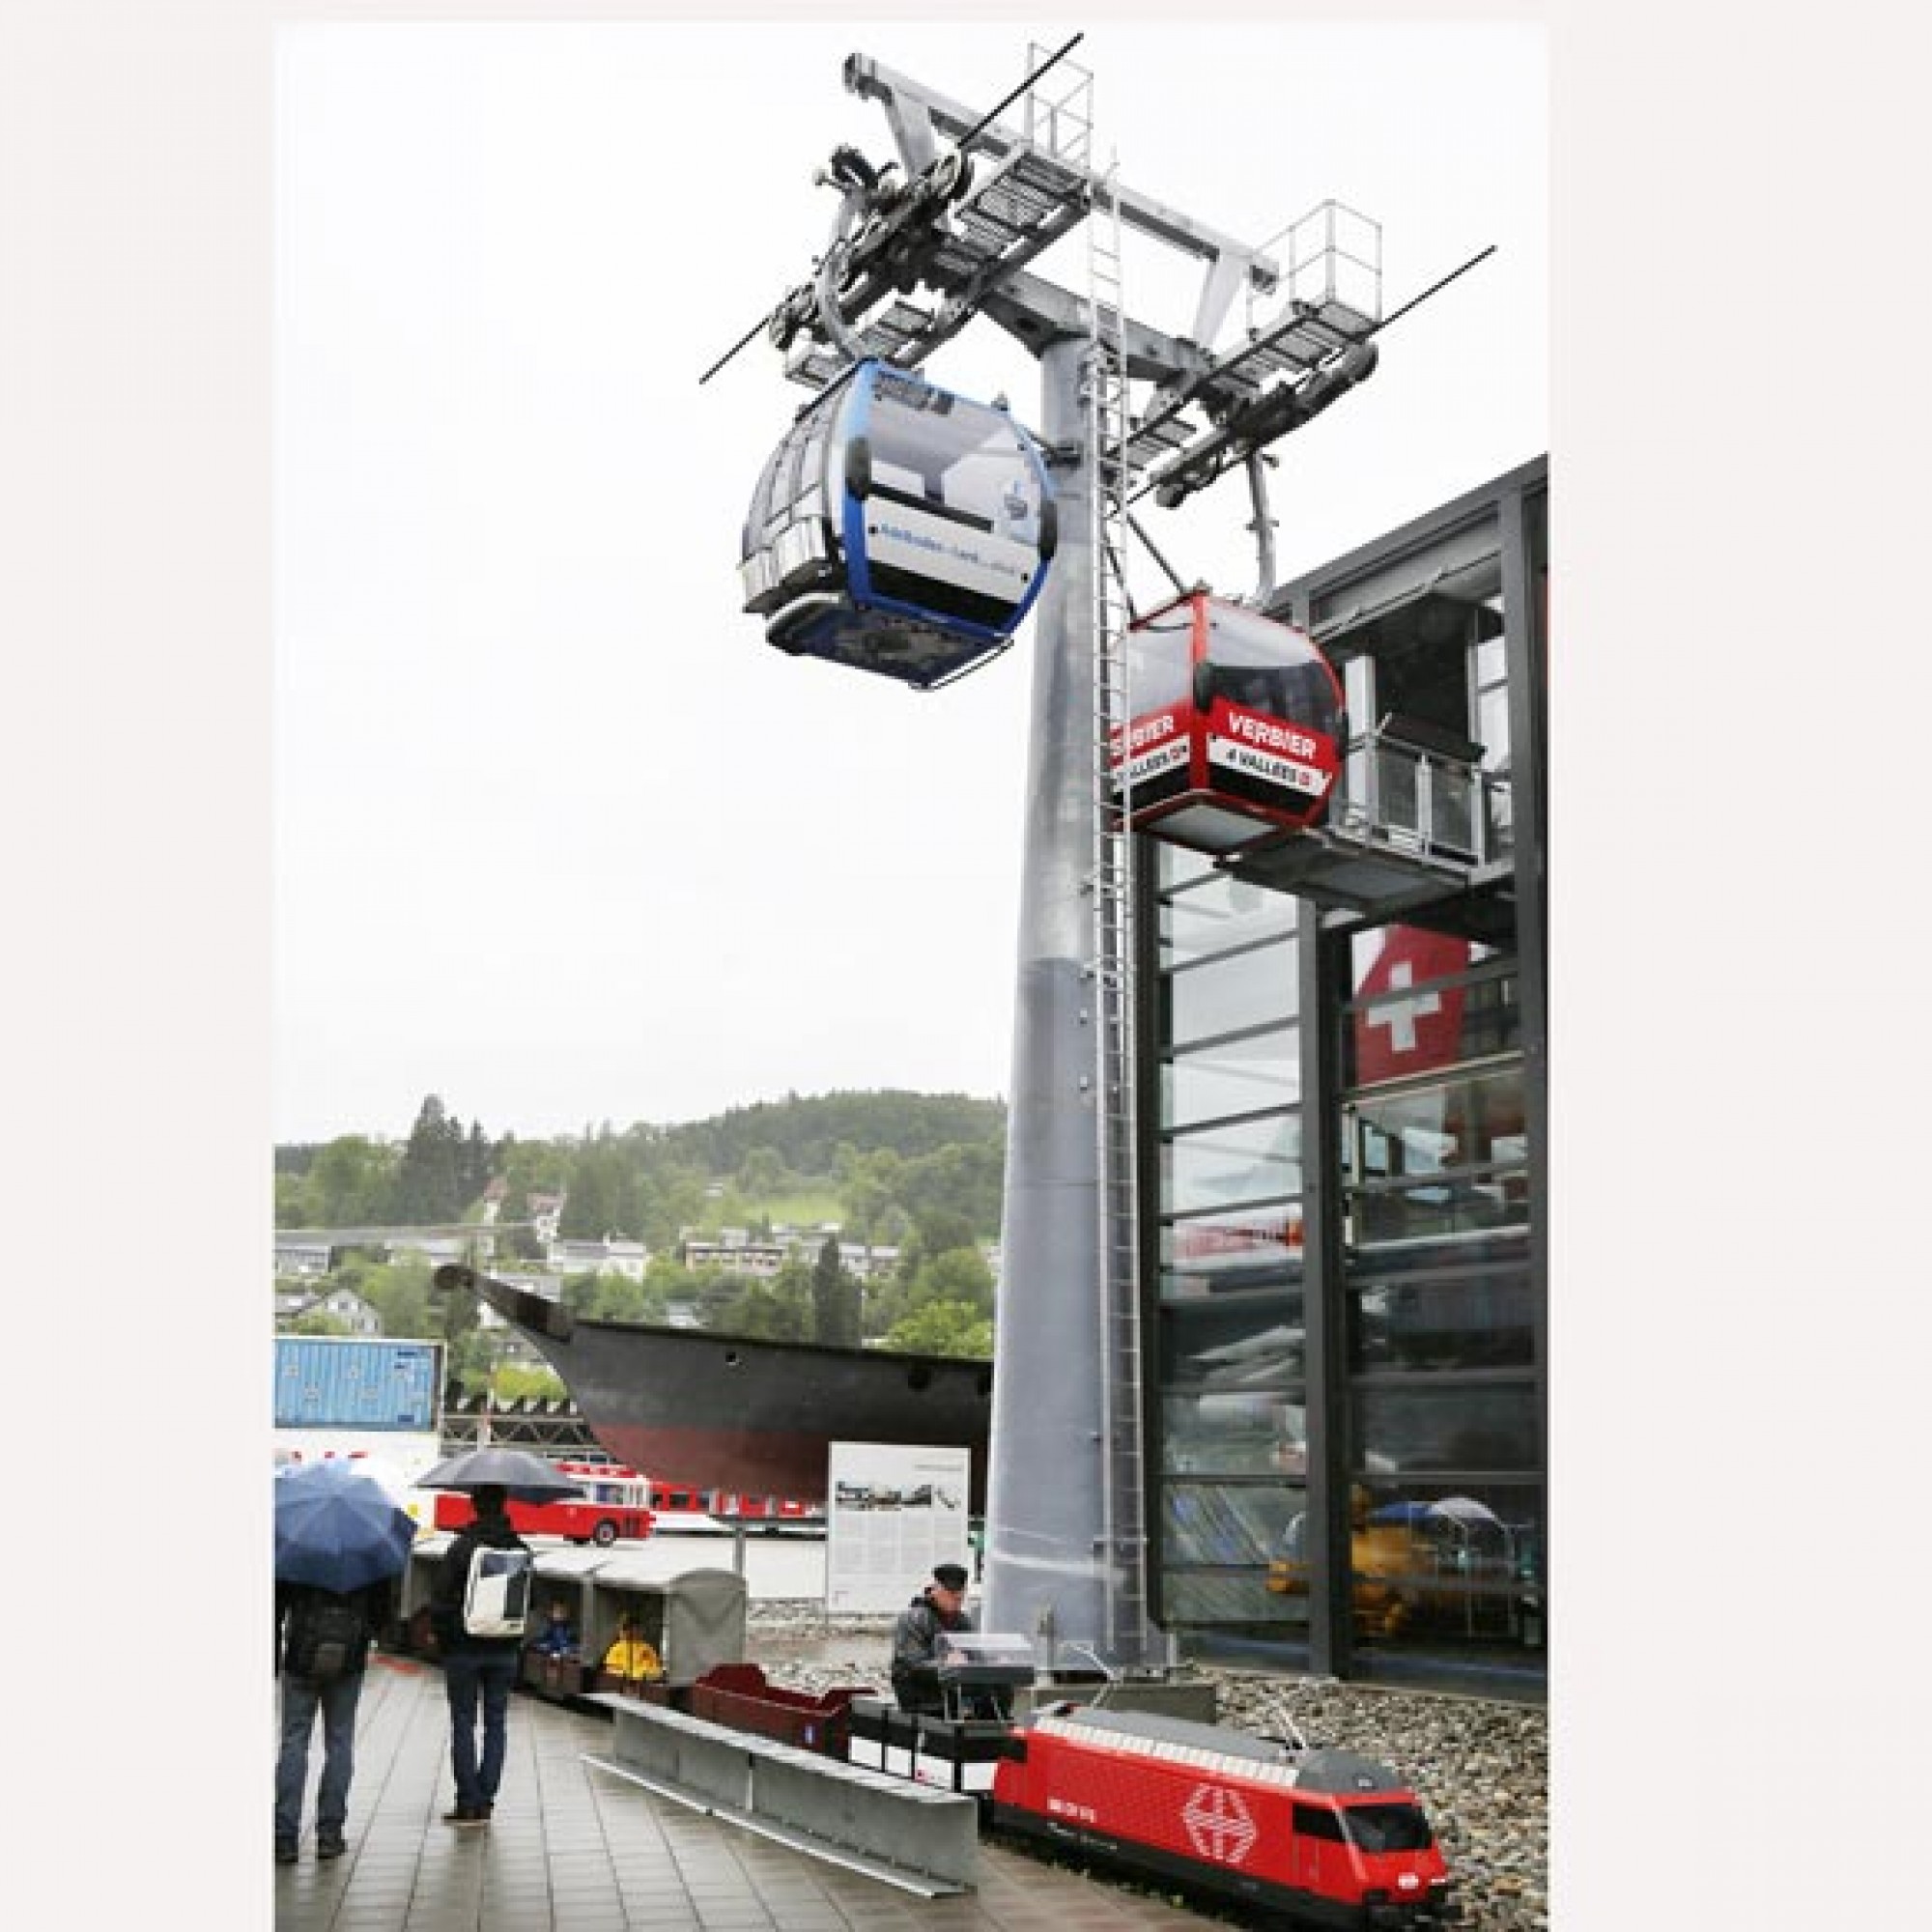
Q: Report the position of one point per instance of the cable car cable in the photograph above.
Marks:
(1173, 576)
(986, 119)
(972, 134)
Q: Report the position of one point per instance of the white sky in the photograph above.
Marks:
(558, 837)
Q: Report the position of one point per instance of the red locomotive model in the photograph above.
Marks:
(1324, 1837)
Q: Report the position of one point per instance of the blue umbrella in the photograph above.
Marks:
(1409, 1513)
(337, 1529)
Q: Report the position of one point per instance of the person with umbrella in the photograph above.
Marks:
(481, 1670)
(340, 1544)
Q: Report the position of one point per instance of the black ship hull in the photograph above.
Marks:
(729, 1412)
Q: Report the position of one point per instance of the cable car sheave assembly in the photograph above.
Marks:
(905, 530)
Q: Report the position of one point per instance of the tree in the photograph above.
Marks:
(779, 1310)
(401, 1295)
(291, 1194)
(867, 1203)
(319, 1321)
(581, 1291)
(935, 1234)
(351, 1183)
(517, 1381)
(619, 1298)
(476, 1163)
(944, 1328)
(959, 1275)
(429, 1180)
(717, 1295)
(836, 1300)
(763, 1175)
(605, 1195)
(942, 1230)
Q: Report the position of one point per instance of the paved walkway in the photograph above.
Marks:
(574, 1849)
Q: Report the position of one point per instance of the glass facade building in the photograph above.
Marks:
(1344, 1231)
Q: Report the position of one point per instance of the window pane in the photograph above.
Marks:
(1250, 989)
(1492, 1018)
(1253, 1342)
(1457, 1124)
(1175, 865)
(1413, 1429)
(1493, 728)
(1247, 1247)
(1214, 1167)
(1229, 1523)
(1430, 955)
(1241, 1077)
(1481, 1322)
(1423, 1211)
(1227, 1597)
(1219, 915)
(1440, 1562)
(1234, 1432)
(1405, 1022)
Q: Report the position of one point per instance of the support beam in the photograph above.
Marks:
(1321, 964)
(873, 81)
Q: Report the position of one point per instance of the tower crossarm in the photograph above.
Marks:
(914, 111)
(1038, 311)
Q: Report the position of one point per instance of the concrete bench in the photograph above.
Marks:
(912, 1835)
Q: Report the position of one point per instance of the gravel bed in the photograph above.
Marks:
(1481, 1768)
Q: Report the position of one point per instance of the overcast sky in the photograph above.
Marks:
(559, 837)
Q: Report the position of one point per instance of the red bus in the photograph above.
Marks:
(616, 1502)
(620, 1502)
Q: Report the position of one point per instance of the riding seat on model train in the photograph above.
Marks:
(899, 528)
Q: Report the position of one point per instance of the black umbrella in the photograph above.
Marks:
(528, 1478)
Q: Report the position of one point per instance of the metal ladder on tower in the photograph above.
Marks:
(1124, 1487)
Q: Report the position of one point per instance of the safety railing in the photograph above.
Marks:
(1397, 794)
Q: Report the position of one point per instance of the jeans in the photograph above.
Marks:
(467, 1674)
(301, 1698)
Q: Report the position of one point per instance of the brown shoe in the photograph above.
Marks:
(466, 1814)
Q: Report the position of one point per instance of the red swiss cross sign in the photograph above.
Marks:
(1219, 1824)
(1421, 1030)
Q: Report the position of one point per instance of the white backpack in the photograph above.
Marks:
(498, 1599)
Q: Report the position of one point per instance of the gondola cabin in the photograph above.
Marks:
(899, 528)
(1236, 727)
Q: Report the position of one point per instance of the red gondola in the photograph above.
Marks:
(1237, 728)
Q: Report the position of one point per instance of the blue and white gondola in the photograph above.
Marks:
(899, 528)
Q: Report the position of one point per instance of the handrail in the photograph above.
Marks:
(1395, 793)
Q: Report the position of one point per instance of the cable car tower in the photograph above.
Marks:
(921, 246)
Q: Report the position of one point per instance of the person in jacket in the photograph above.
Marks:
(321, 1648)
(631, 1658)
(477, 1672)
(558, 1636)
(941, 1606)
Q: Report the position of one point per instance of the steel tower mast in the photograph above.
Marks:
(1065, 1555)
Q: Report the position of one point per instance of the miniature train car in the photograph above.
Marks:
(1327, 1837)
